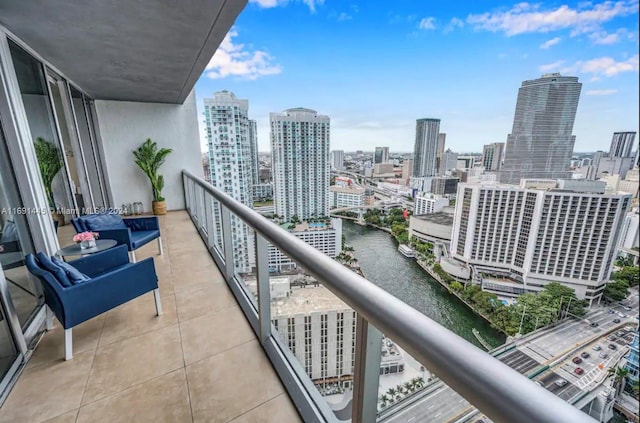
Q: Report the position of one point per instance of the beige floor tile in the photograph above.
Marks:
(136, 317)
(203, 299)
(231, 383)
(185, 264)
(165, 283)
(213, 333)
(208, 274)
(164, 399)
(69, 417)
(133, 361)
(278, 410)
(51, 347)
(48, 390)
(193, 244)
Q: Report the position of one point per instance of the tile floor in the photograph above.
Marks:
(198, 362)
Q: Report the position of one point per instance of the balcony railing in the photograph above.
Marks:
(498, 391)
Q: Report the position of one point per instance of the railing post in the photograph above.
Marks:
(225, 217)
(366, 373)
(210, 225)
(264, 288)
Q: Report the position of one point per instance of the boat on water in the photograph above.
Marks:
(406, 251)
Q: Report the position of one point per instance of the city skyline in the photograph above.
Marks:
(377, 59)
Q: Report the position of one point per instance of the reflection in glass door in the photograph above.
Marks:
(88, 145)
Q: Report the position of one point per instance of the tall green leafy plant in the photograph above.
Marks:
(50, 163)
(149, 158)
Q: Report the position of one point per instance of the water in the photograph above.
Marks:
(383, 265)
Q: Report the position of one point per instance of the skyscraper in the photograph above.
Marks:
(300, 160)
(253, 144)
(381, 155)
(622, 144)
(492, 156)
(231, 163)
(337, 159)
(426, 147)
(442, 139)
(541, 144)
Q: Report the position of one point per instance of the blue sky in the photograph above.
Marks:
(376, 67)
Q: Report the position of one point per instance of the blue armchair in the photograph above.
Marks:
(132, 232)
(82, 289)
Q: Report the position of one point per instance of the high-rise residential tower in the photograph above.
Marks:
(300, 160)
(231, 163)
(492, 155)
(381, 155)
(622, 144)
(442, 139)
(541, 142)
(426, 147)
(337, 159)
(253, 144)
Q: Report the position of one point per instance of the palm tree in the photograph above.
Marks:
(619, 376)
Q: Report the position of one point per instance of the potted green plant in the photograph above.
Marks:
(149, 158)
(50, 163)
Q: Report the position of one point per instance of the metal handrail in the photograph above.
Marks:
(496, 389)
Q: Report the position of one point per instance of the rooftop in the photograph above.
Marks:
(440, 218)
(307, 300)
(132, 366)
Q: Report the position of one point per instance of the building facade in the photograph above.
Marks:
(381, 155)
(426, 147)
(425, 203)
(300, 160)
(327, 238)
(448, 162)
(231, 164)
(337, 159)
(541, 142)
(346, 196)
(522, 239)
(622, 144)
(633, 358)
(492, 156)
(253, 151)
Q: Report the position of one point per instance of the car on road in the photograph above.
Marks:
(594, 324)
(611, 337)
(603, 355)
(612, 347)
(616, 320)
(597, 347)
(585, 354)
(577, 360)
(612, 311)
(578, 371)
(627, 308)
(561, 382)
(622, 315)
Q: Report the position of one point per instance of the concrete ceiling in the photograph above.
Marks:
(140, 50)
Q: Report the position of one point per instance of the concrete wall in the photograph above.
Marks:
(125, 125)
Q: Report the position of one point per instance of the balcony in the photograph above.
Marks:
(200, 361)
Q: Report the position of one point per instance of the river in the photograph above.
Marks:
(383, 265)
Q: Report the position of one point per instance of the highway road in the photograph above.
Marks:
(555, 347)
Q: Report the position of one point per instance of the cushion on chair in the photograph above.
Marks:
(74, 275)
(139, 238)
(57, 271)
(97, 222)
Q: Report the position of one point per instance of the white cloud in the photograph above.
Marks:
(551, 66)
(427, 23)
(526, 18)
(267, 4)
(549, 43)
(453, 24)
(234, 60)
(601, 92)
(606, 38)
(344, 17)
(606, 66)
